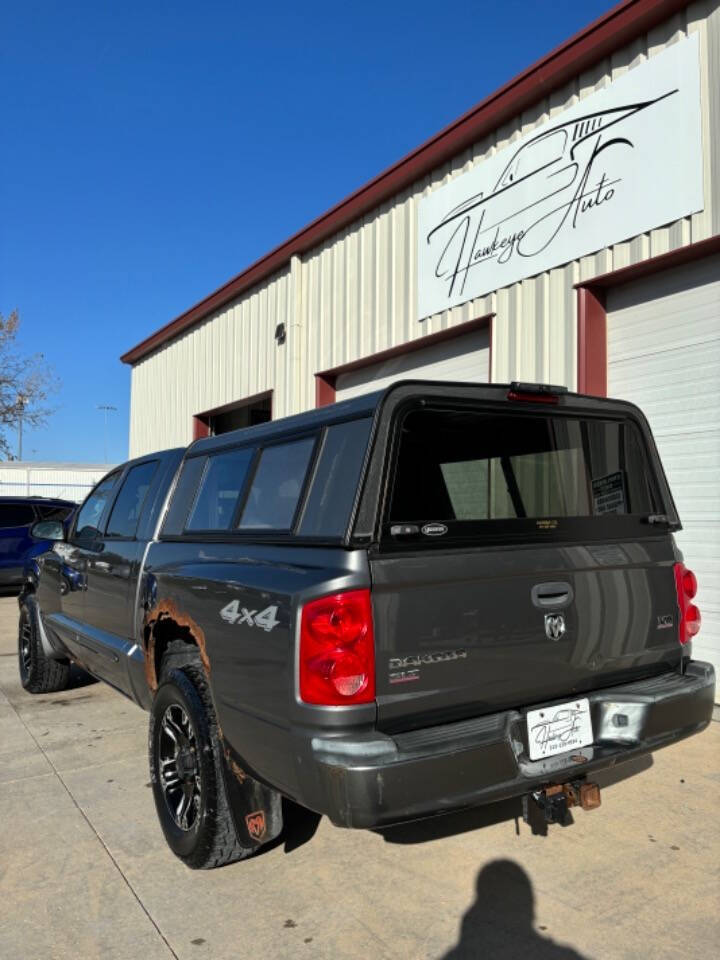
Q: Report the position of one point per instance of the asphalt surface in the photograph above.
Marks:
(84, 870)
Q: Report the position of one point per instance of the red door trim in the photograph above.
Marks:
(326, 380)
(592, 313)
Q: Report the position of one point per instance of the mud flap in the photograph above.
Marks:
(46, 643)
(256, 808)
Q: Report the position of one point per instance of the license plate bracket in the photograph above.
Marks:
(559, 728)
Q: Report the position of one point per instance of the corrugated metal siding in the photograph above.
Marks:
(64, 481)
(231, 355)
(461, 358)
(357, 294)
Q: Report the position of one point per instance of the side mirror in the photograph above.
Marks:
(47, 530)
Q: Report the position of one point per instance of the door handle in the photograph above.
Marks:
(552, 595)
(102, 565)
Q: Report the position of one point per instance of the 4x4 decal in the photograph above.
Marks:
(234, 613)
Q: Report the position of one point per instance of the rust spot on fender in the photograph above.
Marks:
(235, 767)
(166, 611)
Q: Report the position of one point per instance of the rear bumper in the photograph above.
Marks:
(378, 780)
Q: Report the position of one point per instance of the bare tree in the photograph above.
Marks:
(26, 383)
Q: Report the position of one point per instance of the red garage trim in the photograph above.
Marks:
(201, 421)
(592, 342)
(592, 314)
(325, 381)
(324, 389)
(201, 427)
(617, 28)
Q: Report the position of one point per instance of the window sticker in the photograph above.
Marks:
(609, 494)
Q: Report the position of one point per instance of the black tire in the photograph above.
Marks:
(38, 672)
(194, 812)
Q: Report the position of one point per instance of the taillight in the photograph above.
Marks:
(686, 586)
(337, 650)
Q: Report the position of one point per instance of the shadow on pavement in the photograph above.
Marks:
(500, 923)
(299, 825)
(79, 678)
(450, 824)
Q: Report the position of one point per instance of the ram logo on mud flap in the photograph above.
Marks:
(255, 823)
(266, 619)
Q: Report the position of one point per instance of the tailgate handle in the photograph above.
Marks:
(555, 596)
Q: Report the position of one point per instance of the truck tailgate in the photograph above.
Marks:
(465, 633)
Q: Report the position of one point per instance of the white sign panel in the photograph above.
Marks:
(624, 160)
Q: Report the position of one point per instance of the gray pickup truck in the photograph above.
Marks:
(431, 597)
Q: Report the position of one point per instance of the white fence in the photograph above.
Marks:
(67, 481)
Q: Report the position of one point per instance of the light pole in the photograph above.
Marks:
(21, 404)
(105, 407)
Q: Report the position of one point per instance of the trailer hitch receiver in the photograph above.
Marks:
(555, 801)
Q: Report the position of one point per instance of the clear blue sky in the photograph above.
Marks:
(152, 150)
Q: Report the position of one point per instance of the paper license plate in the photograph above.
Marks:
(557, 729)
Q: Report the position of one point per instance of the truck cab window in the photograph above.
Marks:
(87, 526)
(129, 503)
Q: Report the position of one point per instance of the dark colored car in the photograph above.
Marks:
(18, 542)
(427, 598)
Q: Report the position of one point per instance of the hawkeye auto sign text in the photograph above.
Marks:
(624, 160)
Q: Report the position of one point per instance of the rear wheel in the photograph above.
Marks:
(186, 770)
(38, 672)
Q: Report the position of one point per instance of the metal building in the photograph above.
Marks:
(565, 230)
(65, 481)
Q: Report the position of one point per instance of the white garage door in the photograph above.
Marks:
(463, 358)
(664, 355)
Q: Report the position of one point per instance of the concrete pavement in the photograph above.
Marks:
(84, 870)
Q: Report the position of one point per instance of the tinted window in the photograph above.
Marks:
(276, 486)
(335, 483)
(16, 514)
(183, 495)
(460, 466)
(219, 491)
(90, 515)
(128, 506)
(47, 512)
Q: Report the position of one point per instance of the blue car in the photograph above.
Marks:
(18, 545)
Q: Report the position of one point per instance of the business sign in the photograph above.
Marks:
(624, 160)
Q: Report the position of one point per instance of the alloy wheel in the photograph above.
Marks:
(179, 767)
(25, 643)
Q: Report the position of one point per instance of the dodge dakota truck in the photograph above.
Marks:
(427, 598)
